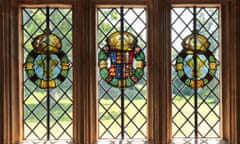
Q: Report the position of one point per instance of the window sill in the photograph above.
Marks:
(46, 142)
(197, 141)
(127, 141)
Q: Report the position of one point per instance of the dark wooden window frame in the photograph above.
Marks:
(84, 104)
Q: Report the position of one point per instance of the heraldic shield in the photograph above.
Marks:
(47, 65)
(121, 62)
(196, 65)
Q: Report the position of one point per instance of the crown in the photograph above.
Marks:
(197, 39)
(116, 39)
(47, 41)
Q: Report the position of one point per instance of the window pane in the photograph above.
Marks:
(122, 76)
(195, 36)
(47, 73)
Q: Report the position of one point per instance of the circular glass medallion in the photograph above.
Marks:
(121, 66)
(196, 66)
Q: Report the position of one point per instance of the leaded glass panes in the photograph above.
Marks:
(47, 85)
(195, 40)
(122, 73)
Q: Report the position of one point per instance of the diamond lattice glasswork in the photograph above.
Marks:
(195, 55)
(122, 87)
(47, 79)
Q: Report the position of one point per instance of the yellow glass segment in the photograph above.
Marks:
(201, 41)
(115, 40)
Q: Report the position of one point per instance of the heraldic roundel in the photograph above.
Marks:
(121, 62)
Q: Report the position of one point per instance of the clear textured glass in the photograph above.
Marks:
(195, 72)
(47, 118)
(122, 105)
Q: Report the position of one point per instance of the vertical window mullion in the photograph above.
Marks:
(195, 73)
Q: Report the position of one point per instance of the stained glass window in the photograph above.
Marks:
(47, 85)
(195, 56)
(122, 51)
(122, 75)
